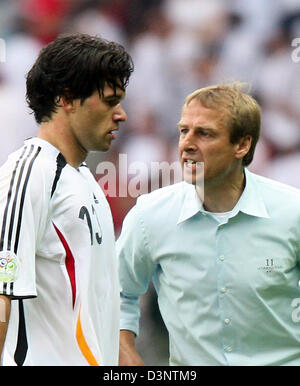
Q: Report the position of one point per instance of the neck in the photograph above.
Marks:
(222, 195)
(58, 135)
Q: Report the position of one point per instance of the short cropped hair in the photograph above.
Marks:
(242, 114)
(75, 66)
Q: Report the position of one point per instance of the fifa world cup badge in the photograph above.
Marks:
(9, 266)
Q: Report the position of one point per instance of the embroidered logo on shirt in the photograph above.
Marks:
(270, 266)
(9, 266)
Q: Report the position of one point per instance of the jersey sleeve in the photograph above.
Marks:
(136, 268)
(22, 216)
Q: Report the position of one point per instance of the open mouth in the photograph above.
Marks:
(194, 167)
(112, 133)
(191, 164)
(193, 172)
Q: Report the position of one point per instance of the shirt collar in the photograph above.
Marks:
(250, 202)
(191, 203)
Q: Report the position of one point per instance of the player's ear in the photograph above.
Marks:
(66, 101)
(243, 146)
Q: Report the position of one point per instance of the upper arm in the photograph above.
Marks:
(136, 267)
(22, 215)
(4, 319)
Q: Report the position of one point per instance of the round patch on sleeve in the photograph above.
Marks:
(9, 266)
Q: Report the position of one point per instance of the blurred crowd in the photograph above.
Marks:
(177, 46)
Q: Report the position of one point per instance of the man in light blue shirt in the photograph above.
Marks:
(224, 259)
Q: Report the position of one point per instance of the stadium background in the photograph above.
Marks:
(177, 46)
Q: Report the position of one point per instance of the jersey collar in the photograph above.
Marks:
(46, 146)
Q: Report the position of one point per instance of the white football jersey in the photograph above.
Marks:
(57, 259)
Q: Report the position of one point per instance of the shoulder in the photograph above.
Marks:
(146, 220)
(86, 172)
(162, 196)
(276, 188)
(276, 195)
(32, 167)
(46, 169)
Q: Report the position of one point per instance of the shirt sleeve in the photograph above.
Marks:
(22, 212)
(136, 268)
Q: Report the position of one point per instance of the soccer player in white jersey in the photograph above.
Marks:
(59, 291)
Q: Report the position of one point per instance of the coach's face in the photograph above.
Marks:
(204, 138)
(95, 121)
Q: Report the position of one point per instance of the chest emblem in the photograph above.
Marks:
(270, 266)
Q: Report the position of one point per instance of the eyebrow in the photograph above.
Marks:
(181, 125)
(113, 97)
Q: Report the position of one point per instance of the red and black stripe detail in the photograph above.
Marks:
(69, 262)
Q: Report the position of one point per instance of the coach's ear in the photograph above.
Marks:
(243, 146)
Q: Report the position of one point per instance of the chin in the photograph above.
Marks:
(194, 178)
(102, 147)
(195, 182)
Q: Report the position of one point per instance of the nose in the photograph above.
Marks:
(188, 143)
(119, 114)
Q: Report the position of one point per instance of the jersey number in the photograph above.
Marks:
(84, 214)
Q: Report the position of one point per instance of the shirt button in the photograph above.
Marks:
(224, 289)
(227, 320)
(228, 348)
(222, 257)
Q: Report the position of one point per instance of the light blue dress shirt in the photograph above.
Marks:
(228, 293)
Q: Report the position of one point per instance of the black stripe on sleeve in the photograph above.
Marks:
(12, 287)
(8, 199)
(22, 200)
(12, 216)
(61, 163)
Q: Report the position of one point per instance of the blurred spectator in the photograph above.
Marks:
(283, 134)
(98, 18)
(44, 19)
(8, 12)
(145, 144)
(278, 82)
(16, 123)
(285, 168)
(21, 52)
(37, 23)
(155, 85)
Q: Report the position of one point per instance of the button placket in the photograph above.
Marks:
(226, 320)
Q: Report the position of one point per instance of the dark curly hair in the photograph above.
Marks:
(75, 66)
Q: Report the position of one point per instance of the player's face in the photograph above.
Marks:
(95, 121)
(204, 139)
